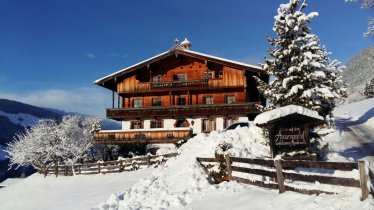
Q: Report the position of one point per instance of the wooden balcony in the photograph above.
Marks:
(139, 136)
(180, 84)
(201, 84)
(182, 111)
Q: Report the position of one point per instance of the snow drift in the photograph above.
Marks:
(182, 179)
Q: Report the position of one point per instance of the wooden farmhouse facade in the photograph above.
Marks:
(178, 93)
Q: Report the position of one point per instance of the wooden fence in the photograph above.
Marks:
(279, 170)
(116, 166)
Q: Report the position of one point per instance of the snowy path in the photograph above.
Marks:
(79, 192)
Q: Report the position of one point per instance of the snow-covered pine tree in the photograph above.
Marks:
(304, 74)
(369, 89)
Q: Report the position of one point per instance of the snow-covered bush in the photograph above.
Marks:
(219, 171)
(304, 74)
(50, 143)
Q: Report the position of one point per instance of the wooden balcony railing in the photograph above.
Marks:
(182, 111)
(180, 84)
(157, 136)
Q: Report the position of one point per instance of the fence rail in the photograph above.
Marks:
(116, 166)
(279, 170)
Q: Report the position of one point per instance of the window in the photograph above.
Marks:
(207, 75)
(208, 100)
(180, 77)
(156, 101)
(136, 124)
(229, 99)
(229, 121)
(138, 103)
(156, 78)
(208, 125)
(218, 74)
(157, 124)
(181, 101)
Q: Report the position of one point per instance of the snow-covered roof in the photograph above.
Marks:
(178, 50)
(274, 114)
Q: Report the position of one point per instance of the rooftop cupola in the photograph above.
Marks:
(186, 44)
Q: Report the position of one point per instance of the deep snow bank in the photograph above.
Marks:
(359, 112)
(182, 179)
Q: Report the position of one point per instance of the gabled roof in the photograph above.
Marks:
(176, 50)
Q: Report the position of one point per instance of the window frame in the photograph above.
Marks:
(211, 126)
(136, 124)
(208, 73)
(137, 99)
(158, 123)
(153, 99)
(156, 78)
(179, 79)
(232, 120)
(178, 100)
(229, 96)
(204, 100)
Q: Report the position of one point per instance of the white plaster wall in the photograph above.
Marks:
(196, 127)
(169, 123)
(126, 125)
(147, 124)
(219, 123)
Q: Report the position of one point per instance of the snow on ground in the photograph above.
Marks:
(79, 192)
(182, 183)
(21, 119)
(10, 181)
(256, 198)
(182, 180)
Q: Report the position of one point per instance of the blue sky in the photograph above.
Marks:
(52, 51)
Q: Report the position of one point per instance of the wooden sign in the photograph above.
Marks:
(290, 136)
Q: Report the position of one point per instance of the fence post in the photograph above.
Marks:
(56, 168)
(280, 179)
(98, 167)
(363, 179)
(149, 160)
(228, 167)
(120, 165)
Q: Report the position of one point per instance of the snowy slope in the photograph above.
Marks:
(21, 119)
(361, 66)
